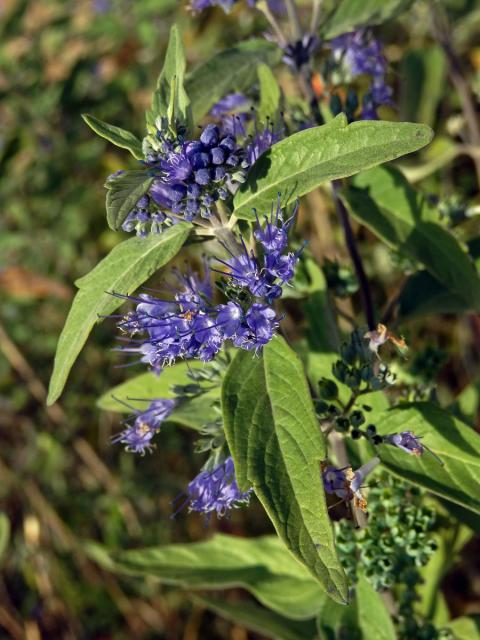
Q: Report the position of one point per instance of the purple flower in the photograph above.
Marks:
(407, 441)
(167, 196)
(261, 141)
(137, 437)
(262, 325)
(189, 325)
(274, 234)
(216, 490)
(245, 272)
(346, 484)
(226, 5)
(190, 176)
(231, 102)
(281, 266)
(335, 480)
(363, 55)
(229, 318)
(297, 54)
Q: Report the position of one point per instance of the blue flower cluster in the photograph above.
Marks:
(363, 55)
(191, 326)
(226, 5)
(216, 490)
(193, 175)
(190, 176)
(144, 425)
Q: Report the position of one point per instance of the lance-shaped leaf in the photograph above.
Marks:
(277, 446)
(148, 385)
(123, 192)
(4, 534)
(193, 413)
(383, 200)
(255, 618)
(270, 96)
(123, 270)
(303, 161)
(465, 628)
(424, 295)
(456, 444)
(116, 135)
(261, 565)
(373, 617)
(366, 617)
(230, 70)
(170, 100)
(351, 14)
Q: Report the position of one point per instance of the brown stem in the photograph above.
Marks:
(350, 241)
(442, 33)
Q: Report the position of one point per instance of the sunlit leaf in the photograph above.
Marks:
(125, 268)
(277, 446)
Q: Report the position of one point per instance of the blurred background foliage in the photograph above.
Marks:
(61, 482)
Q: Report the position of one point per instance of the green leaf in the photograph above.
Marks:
(351, 14)
(336, 621)
(456, 444)
(4, 534)
(449, 543)
(148, 385)
(194, 413)
(424, 71)
(383, 200)
(123, 193)
(116, 135)
(277, 446)
(230, 70)
(374, 619)
(424, 295)
(125, 268)
(261, 565)
(170, 99)
(197, 412)
(306, 159)
(270, 95)
(464, 516)
(259, 620)
(467, 403)
(366, 618)
(465, 628)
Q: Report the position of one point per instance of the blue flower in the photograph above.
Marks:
(346, 484)
(137, 437)
(230, 317)
(190, 176)
(226, 5)
(190, 325)
(363, 55)
(231, 102)
(407, 441)
(263, 138)
(298, 54)
(262, 324)
(216, 490)
(335, 480)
